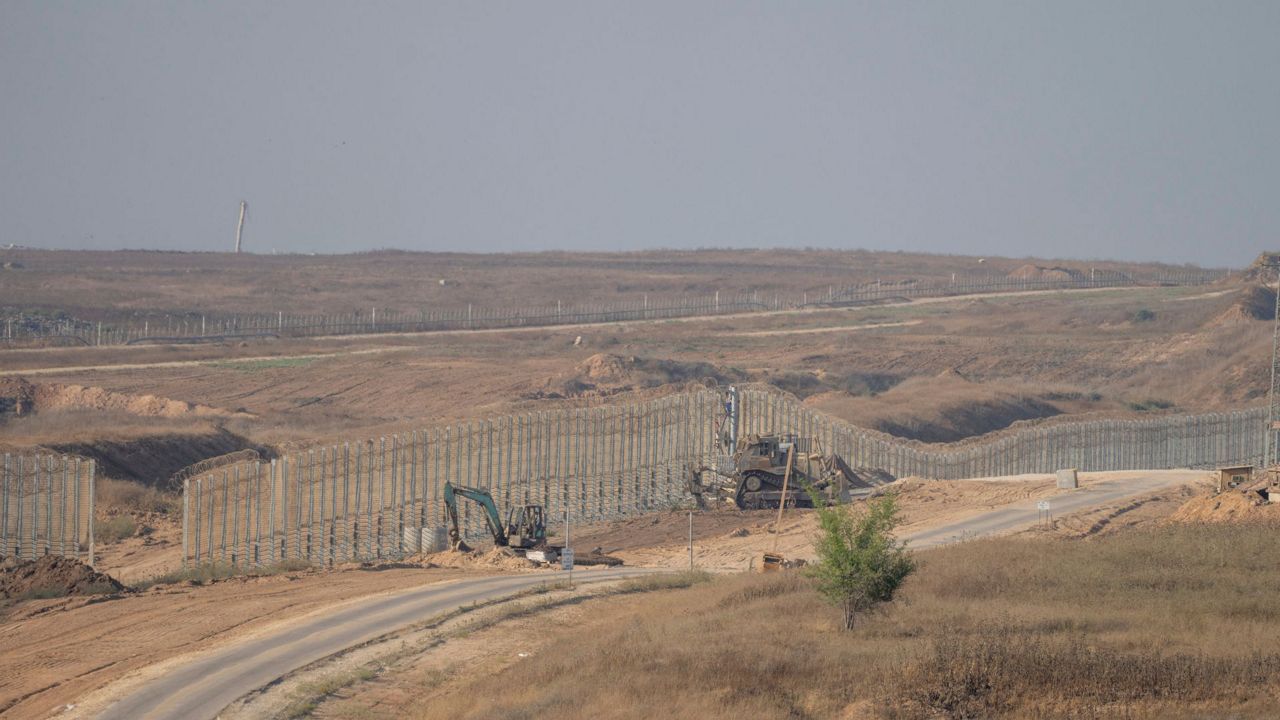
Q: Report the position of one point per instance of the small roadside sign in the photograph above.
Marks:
(566, 559)
(1043, 505)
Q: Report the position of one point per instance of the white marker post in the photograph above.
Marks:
(1042, 512)
(690, 541)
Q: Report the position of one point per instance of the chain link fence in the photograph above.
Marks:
(46, 506)
(168, 328)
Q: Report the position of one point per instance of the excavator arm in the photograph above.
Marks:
(484, 500)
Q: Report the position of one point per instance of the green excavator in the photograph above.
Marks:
(525, 528)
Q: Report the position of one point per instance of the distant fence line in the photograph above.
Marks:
(1164, 441)
(374, 499)
(196, 327)
(46, 506)
(869, 292)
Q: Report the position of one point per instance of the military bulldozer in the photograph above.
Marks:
(756, 477)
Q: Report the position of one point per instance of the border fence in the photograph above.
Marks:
(46, 506)
(373, 499)
(170, 328)
(377, 499)
(1160, 442)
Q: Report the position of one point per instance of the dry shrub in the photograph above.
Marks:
(1000, 667)
(129, 496)
(114, 529)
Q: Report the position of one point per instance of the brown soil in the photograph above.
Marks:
(24, 397)
(155, 551)
(1227, 507)
(730, 539)
(55, 652)
(1256, 302)
(492, 559)
(52, 576)
(607, 374)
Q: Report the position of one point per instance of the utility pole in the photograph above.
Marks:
(240, 226)
(1273, 398)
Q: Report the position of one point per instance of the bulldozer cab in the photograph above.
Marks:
(526, 526)
(770, 451)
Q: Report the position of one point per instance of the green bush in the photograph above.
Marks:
(860, 564)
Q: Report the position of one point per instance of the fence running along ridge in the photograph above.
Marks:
(1160, 442)
(373, 499)
(195, 327)
(46, 506)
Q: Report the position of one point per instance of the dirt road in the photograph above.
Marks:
(202, 687)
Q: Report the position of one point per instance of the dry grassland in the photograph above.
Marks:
(1170, 622)
(91, 283)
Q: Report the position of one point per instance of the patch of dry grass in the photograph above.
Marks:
(1168, 622)
(130, 496)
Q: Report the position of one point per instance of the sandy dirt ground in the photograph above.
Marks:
(143, 556)
(52, 652)
(729, 540)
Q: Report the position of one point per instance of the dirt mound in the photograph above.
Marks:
(80, 397)
(1259, 271)
(1255, 303)
(605, 367)
(20, 397)
(604, 374)
(1228, 507)
(1039, 272)
(496, 558)
(52, 576)
(17, 396)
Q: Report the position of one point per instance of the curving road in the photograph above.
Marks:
(1019, 516)
(203, 687)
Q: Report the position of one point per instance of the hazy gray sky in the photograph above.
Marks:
(1133, 130)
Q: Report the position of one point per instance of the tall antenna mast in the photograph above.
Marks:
(240, 226)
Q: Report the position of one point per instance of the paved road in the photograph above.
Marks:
(1023, 515)
(201, 688)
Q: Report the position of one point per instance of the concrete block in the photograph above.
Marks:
(1068, 479)
(434, 539)
(411, 540)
